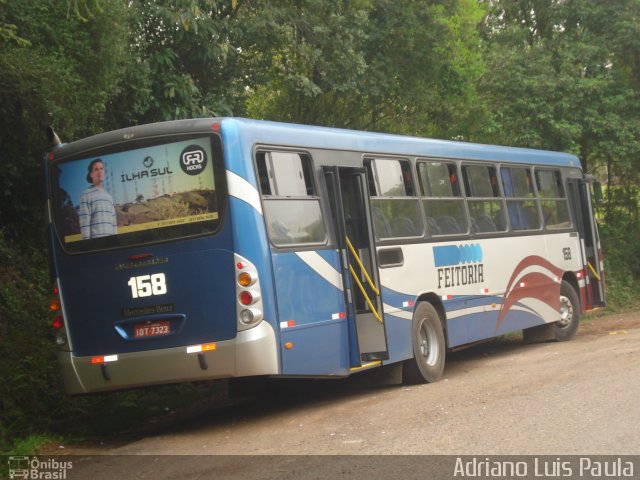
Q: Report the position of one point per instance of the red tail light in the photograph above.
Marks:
(246, 298)
(58, 322)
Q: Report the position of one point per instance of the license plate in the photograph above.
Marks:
(155, 329)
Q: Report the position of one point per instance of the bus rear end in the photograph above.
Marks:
(148, 285)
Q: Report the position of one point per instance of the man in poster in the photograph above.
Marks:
(97, 213)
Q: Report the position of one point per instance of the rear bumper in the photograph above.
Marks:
(252, 352)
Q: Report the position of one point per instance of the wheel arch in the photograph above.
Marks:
(572, 279)
(436, 301)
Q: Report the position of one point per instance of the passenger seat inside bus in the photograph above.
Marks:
(432, 226)
(483, 224)
(381, 226)
(280, 233)
(448, 225)
(403, 227)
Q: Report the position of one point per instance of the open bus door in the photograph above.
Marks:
(349, 198)
(589, 241)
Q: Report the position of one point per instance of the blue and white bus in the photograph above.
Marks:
(218, 248)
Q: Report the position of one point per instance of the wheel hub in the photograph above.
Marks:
(428, 344)
(566, 312)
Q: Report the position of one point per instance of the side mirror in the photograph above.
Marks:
(52, 138)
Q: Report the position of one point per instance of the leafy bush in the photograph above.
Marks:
(622, 265)
(27, 345)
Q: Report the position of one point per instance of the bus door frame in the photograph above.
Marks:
(589, 242)
(349, 200)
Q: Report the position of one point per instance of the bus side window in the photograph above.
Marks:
(553, 200)
(484, 199)
(394, 206)
(291, 207)
(522, 206)
(441, 198)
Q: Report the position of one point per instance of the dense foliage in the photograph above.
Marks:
(553, 74)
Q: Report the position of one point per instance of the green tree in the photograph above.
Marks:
(554, 79)
(195, 58)
(317, 55)
(423, 65)
(406, 67)
(62, 73)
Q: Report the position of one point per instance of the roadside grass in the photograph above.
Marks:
(32, 444)
(25, 447)
(114, 417)
(130, 413)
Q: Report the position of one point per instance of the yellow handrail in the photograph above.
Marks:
(364, 270)
(366, 297)
(593, 270)
(359, 283)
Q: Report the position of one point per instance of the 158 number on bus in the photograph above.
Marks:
(148, 285)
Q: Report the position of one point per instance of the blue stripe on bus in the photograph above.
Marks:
(397, 299)
(303, 295)
(482, 325)
(464, 302)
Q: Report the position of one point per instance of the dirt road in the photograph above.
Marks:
(577, 397)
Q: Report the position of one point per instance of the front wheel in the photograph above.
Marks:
(429, 347)
(566, 328)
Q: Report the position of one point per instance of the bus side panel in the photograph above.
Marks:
(238, 142)
(487, 287)
(312, 313)
(465, 327)
(398, 315)
(250, 241)
(519, 289)
(319, 349)
(245, 210)
(566, 250)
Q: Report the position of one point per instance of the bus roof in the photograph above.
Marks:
(307, 136)
(383, 143)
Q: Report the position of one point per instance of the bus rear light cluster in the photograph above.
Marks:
(58, 322)
(250, 315)
(249, 297)
(55, 306)
(245, 279)
(249, 306)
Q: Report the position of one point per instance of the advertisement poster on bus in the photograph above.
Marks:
(146, 188)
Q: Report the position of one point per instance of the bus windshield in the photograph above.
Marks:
(124, 197)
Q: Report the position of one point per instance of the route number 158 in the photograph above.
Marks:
(148, 285)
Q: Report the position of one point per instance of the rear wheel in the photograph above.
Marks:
(429, 347)
(566, 328)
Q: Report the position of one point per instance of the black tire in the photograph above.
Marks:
(566, 328)
(429, 347)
